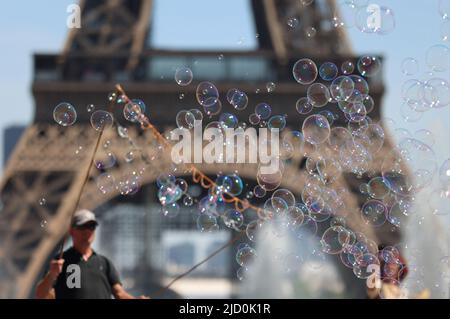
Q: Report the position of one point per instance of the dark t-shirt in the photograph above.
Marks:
(97, 276)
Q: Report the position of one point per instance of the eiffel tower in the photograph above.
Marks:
(111, 47)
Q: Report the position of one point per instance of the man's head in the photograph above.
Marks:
(83, 227)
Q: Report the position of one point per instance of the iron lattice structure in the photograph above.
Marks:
(51, 161)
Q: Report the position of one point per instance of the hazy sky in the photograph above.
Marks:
(40, 26)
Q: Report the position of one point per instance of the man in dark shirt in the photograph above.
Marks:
(82, 273)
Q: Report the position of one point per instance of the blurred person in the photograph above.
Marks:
(97, 276)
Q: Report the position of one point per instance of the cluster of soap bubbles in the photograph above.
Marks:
(349, 148)
(413, 168)
(65, 115)
(330, 151)
(108, 182)
(170, 191)
(362, 138)
(431, 92)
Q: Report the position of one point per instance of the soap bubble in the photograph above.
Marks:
(108, 160)
(165, 179)
(282, 199)
(369, 66)
(374, 213)
(188, 200)
(254, 229)
(438, 58)
(259, 191)
(65, 114)
(412, 91)
(207, 223)
(106, 183)
(228, 120)
(207, 94)
(254, 119)
(295, 140)
(436, 93)
(390, 254)
(303, 106)
(334, 240)
(233, 219)
(242, 273)
(410, 66)
(395, 215)
(377, 188)
(318, 95)
(183, 76)
(277, 122)
(185, 119)
(263, 110)
(213, 109)
(341, 88)
(361, 88)
(296, 216)
(369, 104)
(269, 181)
(101, 120)
(168, 194)
(133, 109)
(354, 112)
(307, 228)
(347, 67)
(182, 185)
(230, 94)
(239, 100)
(316, 129)
(233, 185)
(305, 71)
(129, 184)
(349, 255)
(245, 256)
(170, 210)
(328, 71)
